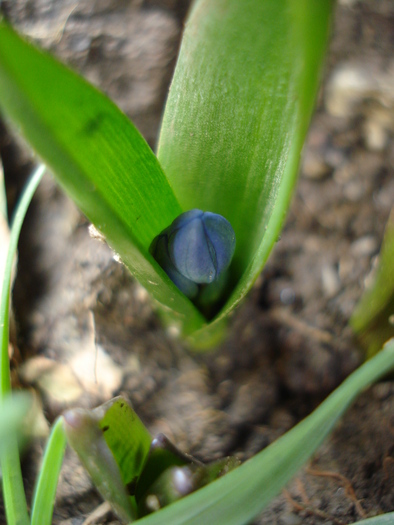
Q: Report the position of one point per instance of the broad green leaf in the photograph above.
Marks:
(126, 436)
(48, 477)
(13, 490)
(99, 158)
(373, 317)
(238, 110)
(238, 497)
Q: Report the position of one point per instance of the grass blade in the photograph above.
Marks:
(4, 227)
(99, 158)
(12, 411)
(13, 490)
(46, 483)
(3, 201)
(237, 114)
(239, 496)
(16, 226)
(372, 319)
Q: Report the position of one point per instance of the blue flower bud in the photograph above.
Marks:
(159, 250)
(196, 248)
(201, 245)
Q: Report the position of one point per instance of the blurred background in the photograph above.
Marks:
(84, 330)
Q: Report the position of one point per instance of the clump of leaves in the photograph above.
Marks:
(135, 473)
(233, 128)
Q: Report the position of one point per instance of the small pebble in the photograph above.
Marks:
(366, 245)
(290, 519)
(287, 296)
(96, 371)
(314, 167)
(348, 86)
(330, 280)
(376, 137)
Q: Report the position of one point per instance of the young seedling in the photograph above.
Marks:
(132, 471)
(230, 142)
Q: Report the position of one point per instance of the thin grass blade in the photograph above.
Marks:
(239, 496)
(3, 201)
(13, 490)
(16, 226)
(373, 317)
(46, 483)
(12, 411)
(4, 227)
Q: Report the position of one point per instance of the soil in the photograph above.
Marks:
(85, 331)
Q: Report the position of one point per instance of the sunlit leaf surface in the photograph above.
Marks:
(99, 158)
(237, 113)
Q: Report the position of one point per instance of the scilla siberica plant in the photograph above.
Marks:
(230, 141)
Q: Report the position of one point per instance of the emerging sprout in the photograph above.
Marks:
(195, 249)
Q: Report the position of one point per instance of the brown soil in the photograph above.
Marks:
(289, 345)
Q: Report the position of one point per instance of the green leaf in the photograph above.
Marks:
(238, 497)
(99, 158)
(86, 437)
(373, 317)
(12, 411)
(48, 477)
(16, 226)
(126, 436)
(13, 490)
(236, 118)
(3, 200)
(113, 445)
